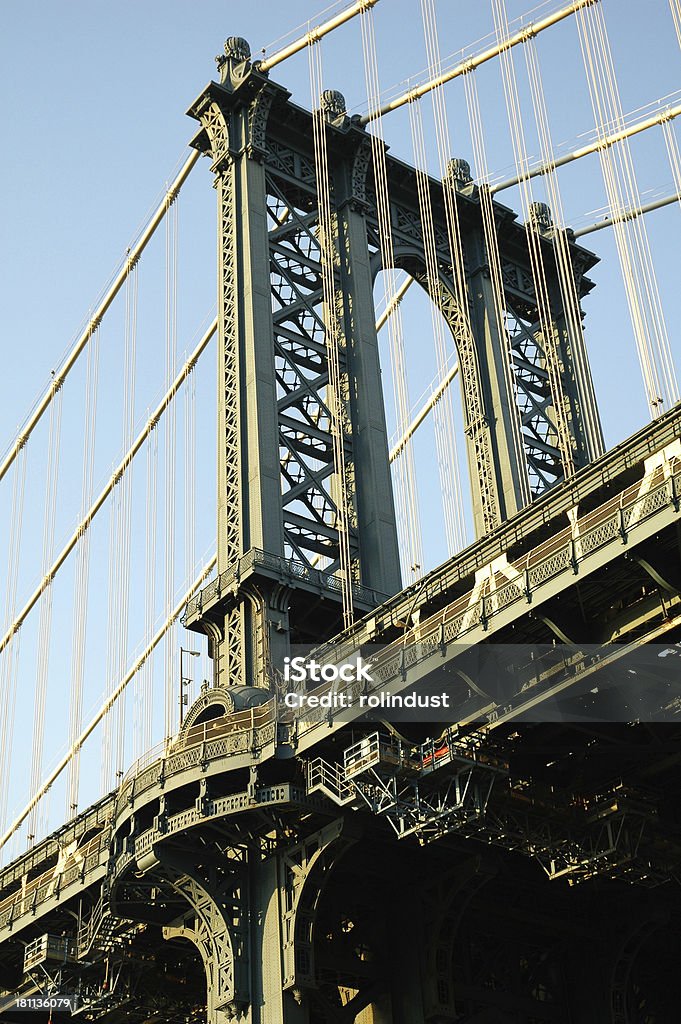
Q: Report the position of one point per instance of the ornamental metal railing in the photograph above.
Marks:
(287, 567)
(610, 524)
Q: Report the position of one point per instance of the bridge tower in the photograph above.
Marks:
(289, 897)
(245, 836)
(305, 504)
(304, 488)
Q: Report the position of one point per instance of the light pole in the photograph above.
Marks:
(184, 681)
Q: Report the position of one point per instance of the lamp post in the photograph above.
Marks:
(184, 680)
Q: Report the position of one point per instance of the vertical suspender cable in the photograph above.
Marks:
(145, 682)
(332, 333)
(672, 145)
(566, 276)
(96, 720)
(97, 505)
(466, 340)
(82, 572)
(494, 257)
(676, 15)
(639, 231)
(443, 412)
(546, 326)
(171, 682)
(409, 524)
(598, 87)
(45, 623)
(126, 493)
(639, 278)
(102, 307)
(119, 555)
(112, 646)
(189, 479)
(10, 659)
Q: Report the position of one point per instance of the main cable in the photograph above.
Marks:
(123, 466)
(77, 745)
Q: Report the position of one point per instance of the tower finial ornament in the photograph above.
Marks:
(459, 174)
(232, 64)
(334, 107)
(540, 218)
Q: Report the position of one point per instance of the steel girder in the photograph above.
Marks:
(548, 394)
(542, 376)
(310, 492)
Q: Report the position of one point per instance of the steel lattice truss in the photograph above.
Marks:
(538, 367)
(535, 403)
(541, 367)
(310, 491)
(410, 249)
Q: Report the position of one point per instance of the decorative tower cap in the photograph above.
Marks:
(237, 48)
(233, 65)
(459, 170)
(540, 216)
(333, 106)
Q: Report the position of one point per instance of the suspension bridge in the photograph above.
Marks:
(182, 850)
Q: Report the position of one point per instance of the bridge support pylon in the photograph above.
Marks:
(306, 513)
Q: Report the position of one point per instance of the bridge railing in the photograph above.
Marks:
(288, 568)
(240, 733)
(198, 734)
(57, 878)
(610, 522)
(250, 731)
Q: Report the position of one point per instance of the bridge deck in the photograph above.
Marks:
(619, 507)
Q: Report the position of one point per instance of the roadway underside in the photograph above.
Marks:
(457, 930)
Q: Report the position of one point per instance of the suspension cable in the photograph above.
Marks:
(132, 257)
(108, 704)
(597, 146)
(394, 302)
(86, 520)
(313, 35)
(420, 416)
(607, 222)
(471, 63)
(136, 251)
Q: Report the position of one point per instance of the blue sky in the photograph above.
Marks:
(93, 117)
